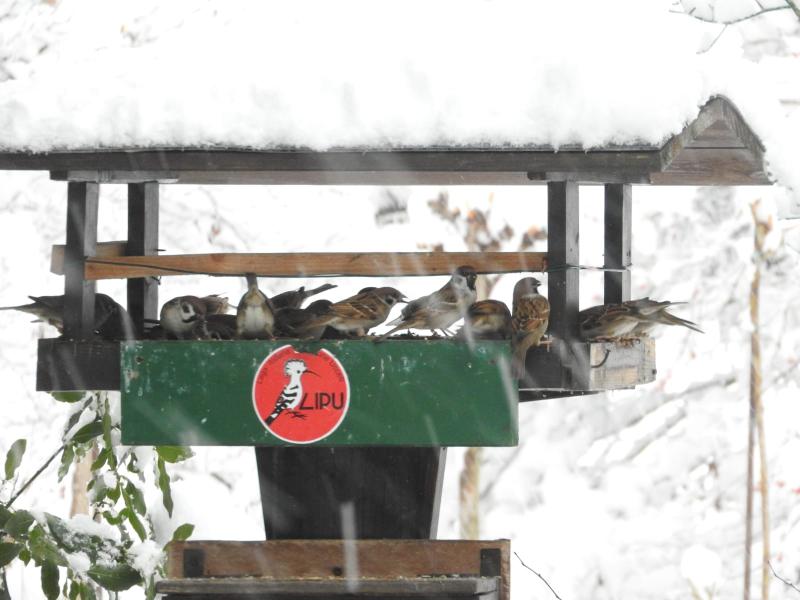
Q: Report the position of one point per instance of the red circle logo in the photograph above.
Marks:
(301, 397)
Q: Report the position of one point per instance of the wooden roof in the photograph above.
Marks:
(717, 148)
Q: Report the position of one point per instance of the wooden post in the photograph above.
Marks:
(82, 201)
(395, 492)
(617, 242)
(142, 241)
(562, 252)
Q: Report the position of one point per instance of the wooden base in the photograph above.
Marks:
(67, 365)
(334, 568)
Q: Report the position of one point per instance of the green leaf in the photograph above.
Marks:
(68, 397)
(102, 456)
(50, 577)
(74, 590)
(88, 432)
(163, 484)
(87, 591)
(183, 532)
(116, 578)
(8, 552)
(25, 555)
(19, 523)
(42, 548)
(137, 498)
(14, 457)
(67, 457)
(174, 454)
(5, 515)
(135, 522)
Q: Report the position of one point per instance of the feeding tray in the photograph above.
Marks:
(332, 393)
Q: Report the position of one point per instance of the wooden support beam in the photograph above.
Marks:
(82, 203)
(371, 264)
(618, 231)
(142, 241)
(394, 492)
(102, 250)
(563, 253)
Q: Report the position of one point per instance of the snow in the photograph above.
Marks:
(86, 525)
(703, 569)
(147, 557)
(478, 73)
(86, 417)
(79, 562)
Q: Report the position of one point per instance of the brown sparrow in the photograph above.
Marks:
(440, 309)
(531, 314)
(215, 327)
(255, 318)
(359, 313)
(179, 315)
(607, 321)
(295, 298)
(294, 322)
(111, 321)
(651, 313)
(487, 320)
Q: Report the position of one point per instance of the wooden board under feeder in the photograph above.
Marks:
(328, 568)
(354, 393)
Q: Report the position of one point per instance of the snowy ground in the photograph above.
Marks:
(613, 496)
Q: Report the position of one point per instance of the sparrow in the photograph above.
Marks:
(295, 298)
(440, 309)
(255, 317)
(179, 315)
(530, 317)
(215, 327)
(651, 313)
(294, 322)
(111, 321)
(607, 321)
(487, 320)
(359, 313)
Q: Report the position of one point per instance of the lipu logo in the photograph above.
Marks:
(301, 397)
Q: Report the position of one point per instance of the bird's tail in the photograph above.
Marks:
(318, 290)
(657, 306)
(279, 408)
(670, 319)
(252, 280)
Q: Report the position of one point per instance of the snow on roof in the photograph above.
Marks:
(353, 74)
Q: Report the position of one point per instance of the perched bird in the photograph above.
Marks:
(607, 321)
(179, 315)
(111, 321)
(294, 322)
(215, 327)
(440, 309)
(292, 393)
(530, 317)
(359, 313)
(487, 320)
(295, 298)
(255, 317)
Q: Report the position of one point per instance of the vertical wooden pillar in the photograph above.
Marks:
(394, 492)
(82, 203)
(142, 241)
(617, 242)
(562, 252)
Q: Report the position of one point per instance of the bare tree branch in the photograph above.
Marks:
(781, 579)
(538, 575)
(789, 6)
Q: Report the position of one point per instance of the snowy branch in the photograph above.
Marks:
(781, 579)
(789, 6)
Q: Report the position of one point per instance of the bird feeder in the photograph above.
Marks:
(407, 400)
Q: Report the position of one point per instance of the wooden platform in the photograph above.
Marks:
(338, 568)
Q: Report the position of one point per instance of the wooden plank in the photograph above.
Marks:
(487, 588)
(729, 166)
(82, 204)
(621, 365)
(142, 241)
(332, 264)
(618, 229)
(65, 365)
(394, 492)
(308, 559)
(102, 250)
(425, 393)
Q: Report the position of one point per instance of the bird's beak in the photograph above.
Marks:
(403, 299)
(312, 372)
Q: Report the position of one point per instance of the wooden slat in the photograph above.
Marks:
(82, 205)
(371, 264)
(446, 587)
(102, 250)
(618, 227)
(375, 559)
(65, 365)
(142, 240)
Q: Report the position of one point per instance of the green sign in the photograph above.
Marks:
(334, 393)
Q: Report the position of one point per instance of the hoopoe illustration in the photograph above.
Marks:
(292, 394)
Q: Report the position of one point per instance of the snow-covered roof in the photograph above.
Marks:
(320, 80)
